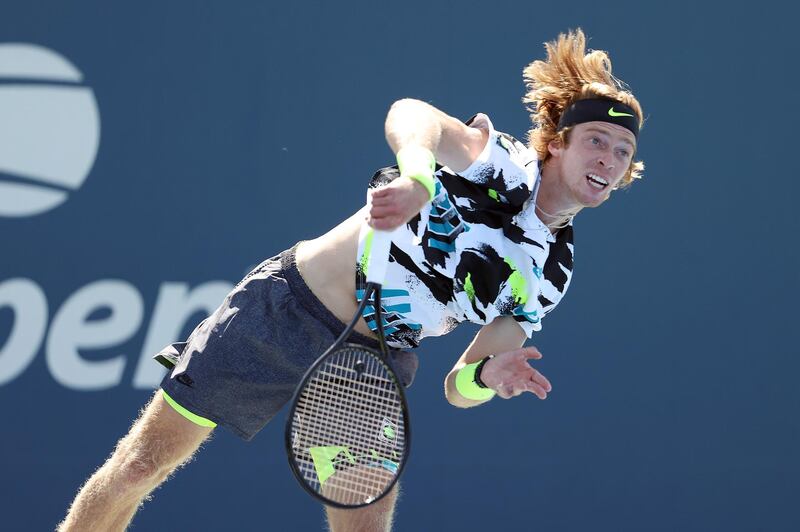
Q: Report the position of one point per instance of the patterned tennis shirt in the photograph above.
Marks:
(475, 252)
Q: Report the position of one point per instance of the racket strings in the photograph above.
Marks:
(369, 481)
(329, 406)
(352, 406)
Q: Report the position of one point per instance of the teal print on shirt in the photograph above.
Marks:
(444, 224)
(530, 317)
(395, 305)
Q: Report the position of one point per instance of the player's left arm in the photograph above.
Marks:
(508, 373)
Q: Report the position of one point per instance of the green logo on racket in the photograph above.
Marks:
(326, 460)
(388, 431)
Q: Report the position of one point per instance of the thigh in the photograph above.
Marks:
(241, 365)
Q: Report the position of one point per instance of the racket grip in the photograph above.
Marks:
(378, 243)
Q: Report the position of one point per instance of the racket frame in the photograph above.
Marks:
(371, 291)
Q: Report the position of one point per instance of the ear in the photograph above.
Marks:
(555, 147)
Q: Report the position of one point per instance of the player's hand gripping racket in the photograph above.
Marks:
(347, 435)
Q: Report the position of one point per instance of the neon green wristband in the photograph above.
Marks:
(467, 387)
(418, 163)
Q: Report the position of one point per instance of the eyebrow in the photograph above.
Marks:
(604, 132)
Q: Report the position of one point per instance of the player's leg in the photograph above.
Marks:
(377, 517)
(159, 441)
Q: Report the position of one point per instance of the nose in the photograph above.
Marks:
(602, 161)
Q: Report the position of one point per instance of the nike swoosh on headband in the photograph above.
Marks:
(612, 112)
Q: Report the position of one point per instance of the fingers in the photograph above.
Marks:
(384, 214)
(386, 223)
(384, 210)
(531, 352)
(540, 380)
(383, 196)
(509, 391)
(380, 192)
(537, 390)
(526, 353)
(396, 203)
(385, 217)
(537, 384)
(389, 215)
(382, 200)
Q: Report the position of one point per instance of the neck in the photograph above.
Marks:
(553, 206)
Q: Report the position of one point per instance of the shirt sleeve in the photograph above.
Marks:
(529, 326)
(505, 166)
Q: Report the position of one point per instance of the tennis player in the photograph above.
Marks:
(485, 235)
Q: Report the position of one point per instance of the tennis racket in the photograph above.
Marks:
(347, 434)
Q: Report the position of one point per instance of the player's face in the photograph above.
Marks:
(595, 160)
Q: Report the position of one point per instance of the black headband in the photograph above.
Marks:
(600, 110)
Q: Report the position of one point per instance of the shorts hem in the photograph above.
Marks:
(185, 412)
(189, 405)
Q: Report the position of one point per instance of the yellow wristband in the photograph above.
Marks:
(418, 163)
(467, 387)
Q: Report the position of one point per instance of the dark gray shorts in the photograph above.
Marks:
(243, 363)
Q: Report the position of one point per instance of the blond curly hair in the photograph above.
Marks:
(570, 74)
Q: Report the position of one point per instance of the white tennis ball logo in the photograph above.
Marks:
(49, 129)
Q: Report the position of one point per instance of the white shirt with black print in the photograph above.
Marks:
(475, 252)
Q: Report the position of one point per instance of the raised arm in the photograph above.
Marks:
(508, 373)
(414, 123)
(420, 135)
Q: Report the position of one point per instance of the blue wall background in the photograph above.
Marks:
(231, 130)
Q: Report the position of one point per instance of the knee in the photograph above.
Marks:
(139, 471)
(155, 446)
(139, 465)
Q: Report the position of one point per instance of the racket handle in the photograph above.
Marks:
(377, 249)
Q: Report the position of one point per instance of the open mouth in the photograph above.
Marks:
(596, 181)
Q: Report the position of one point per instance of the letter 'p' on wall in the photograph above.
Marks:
(49, 129)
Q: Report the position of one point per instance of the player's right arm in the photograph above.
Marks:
(417, 125)
(508, 373)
